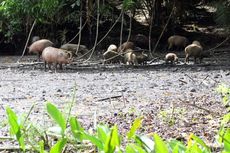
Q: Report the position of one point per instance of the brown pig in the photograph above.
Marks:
(111, 55)
(177, 42)
(171, 57)
(141, 56)
(130, 58)
(73, 48)
(39, 45)
(193, 50)
(125, 46)
(51, 55)
(141, 41)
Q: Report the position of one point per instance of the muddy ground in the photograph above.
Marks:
(174, 100)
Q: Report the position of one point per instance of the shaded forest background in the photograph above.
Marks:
(61, 21)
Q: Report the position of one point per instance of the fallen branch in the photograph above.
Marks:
(199, 107)
(113, 97)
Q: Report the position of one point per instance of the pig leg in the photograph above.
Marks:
(187, 59)
(60, 66)
(45, 65)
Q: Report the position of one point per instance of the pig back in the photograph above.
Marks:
(39, 45)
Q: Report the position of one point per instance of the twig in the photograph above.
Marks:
(102, 37)
(13, 148)
(79, 38)
(113, 97)
(27, 41)
(163, 29)
(204, 79)
(189, 77)
(183, 81)
(199, 107)
(97, 30)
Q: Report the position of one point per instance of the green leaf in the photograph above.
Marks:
(41, 147)
(145, 143)
(177, 146)
(58, 147)
(15, 127)
(76, 129)
(159, 146)
(194, 149)
(103, 131)
(200, 142)
(136, 125)
(57, 116)
(112, 141)
(93, 140)
(226, 140)
(132, 148)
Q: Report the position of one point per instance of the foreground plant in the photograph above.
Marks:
(105, 139)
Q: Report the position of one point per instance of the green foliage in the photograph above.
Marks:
(130, 4)
(76, 129)
(136, 125)
(15, 127)
(159, 145)
(108, 140)
(222, 13)
(58, 147)
(225, 92)
(57, 116)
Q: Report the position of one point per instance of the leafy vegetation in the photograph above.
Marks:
(105, 139)
(17, 16)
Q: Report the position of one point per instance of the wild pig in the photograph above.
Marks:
(141, 41)
(177, 42)
(73, 48)
(35, 38)
(171, 58)
(111, 55)
(51, 55)
(130, 58)
(196, 42)
(125, 46)
(193, 50)
(39, 45)
(141, 57)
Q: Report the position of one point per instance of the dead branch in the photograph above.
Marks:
(112, 97)
(199, 107)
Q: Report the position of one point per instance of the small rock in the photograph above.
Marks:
(227, 74)
(217, 76)
(193, 90)
(59, 90)
(43, 91)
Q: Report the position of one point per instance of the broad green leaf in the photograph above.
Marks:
(58, 147)
(102, 132)
(136, 125)
(160, 146)
(93, 140)
(41, 147)
(112, 141)
(177, 146)
(132, 148)
(76, 129)
(226, 119)
(15, 127)
(145, 142)
(194, 149)
(56, 115)
(226, 140)
(201, 143)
